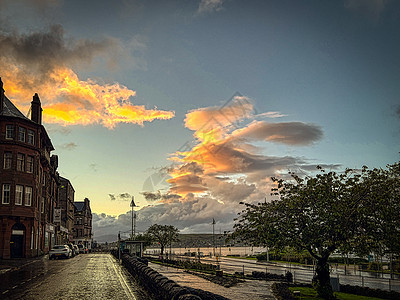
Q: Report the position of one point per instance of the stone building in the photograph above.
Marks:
(83, 223)
(28, 182)
(65, 211)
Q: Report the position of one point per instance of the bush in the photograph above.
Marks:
(365, 291)
(282, 292)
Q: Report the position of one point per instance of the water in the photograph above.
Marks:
(207, 251)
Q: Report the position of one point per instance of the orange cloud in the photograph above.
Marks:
(67, 100)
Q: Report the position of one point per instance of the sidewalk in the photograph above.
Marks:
(7, 265)
(250, 289)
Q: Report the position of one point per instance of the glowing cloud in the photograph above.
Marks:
(38, 63)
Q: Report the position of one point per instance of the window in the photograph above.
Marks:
(31, 137)
(20, 162)
(28, 196)
(9, 132)
(5, 199)
(42, 206)
(21, 134)
(29, 164)
(7, 160)
(19, 191)
(32, 234)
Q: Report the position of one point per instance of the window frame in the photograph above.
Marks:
(30, 164)
(3, 191)
(21, 162)
(7, 160)
(31, 137)
(19, 195)
(22, 133)
(9, 131)
(28, 196)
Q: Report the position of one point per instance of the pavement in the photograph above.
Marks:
(7, 265)
(250, 289)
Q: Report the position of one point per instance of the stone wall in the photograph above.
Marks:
(160, 286)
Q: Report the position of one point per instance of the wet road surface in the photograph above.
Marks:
(86, 276)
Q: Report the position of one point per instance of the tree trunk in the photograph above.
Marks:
(162, 250)
(321, 280)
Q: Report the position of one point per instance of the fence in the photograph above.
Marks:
(301, 273)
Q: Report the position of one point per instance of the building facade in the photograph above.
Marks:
(28, 182)
(83, 223)
(65, 212)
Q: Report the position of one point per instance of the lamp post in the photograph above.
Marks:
(213, 224)
(133, 218)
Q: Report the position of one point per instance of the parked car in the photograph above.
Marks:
(76, 249)
(60, 251)
(82, 249)
(73, 252)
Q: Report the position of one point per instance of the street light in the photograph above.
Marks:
(213, 223)
(133, 218)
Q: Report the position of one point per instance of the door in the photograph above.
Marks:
(17, 241)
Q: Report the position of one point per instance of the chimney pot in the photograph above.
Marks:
(1, 96)
(36, 109)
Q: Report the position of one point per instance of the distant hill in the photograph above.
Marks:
(185, 240)
(109, 238)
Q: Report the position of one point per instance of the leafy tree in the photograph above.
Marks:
(163, 234)
(146, 238)
(325, 213)
(381, 210)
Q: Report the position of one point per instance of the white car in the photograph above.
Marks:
(60, 251)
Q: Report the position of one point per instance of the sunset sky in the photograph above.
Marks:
(191, 106)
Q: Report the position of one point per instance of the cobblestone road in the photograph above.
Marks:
(86, 276)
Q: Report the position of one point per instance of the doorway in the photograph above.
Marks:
(17, 241)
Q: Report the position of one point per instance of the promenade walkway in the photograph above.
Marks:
(250, 289)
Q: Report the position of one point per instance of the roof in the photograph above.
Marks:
(10, 110)
(79, 205)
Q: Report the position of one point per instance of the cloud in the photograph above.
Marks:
(289, 133)
(151, 196)
(272, 114)
(120, 197)
(209, 6)
(68, 146)
(93, 167)
(125, 196)
(41, 62)
(195, 214)
(157, 196)
(226, 163)
(398, 111)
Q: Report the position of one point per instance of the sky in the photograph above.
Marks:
(191, 106)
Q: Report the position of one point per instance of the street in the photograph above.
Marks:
(86, 276)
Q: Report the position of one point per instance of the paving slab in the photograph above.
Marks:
(248, 290)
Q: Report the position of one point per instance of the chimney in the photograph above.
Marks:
(1, 96)
(36, 110)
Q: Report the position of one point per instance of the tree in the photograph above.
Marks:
(163, 234)
(145, 238)
(325, 213)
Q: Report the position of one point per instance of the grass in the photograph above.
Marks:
(309, 293)
(242, 257)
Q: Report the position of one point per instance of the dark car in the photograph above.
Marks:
(82, 248)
